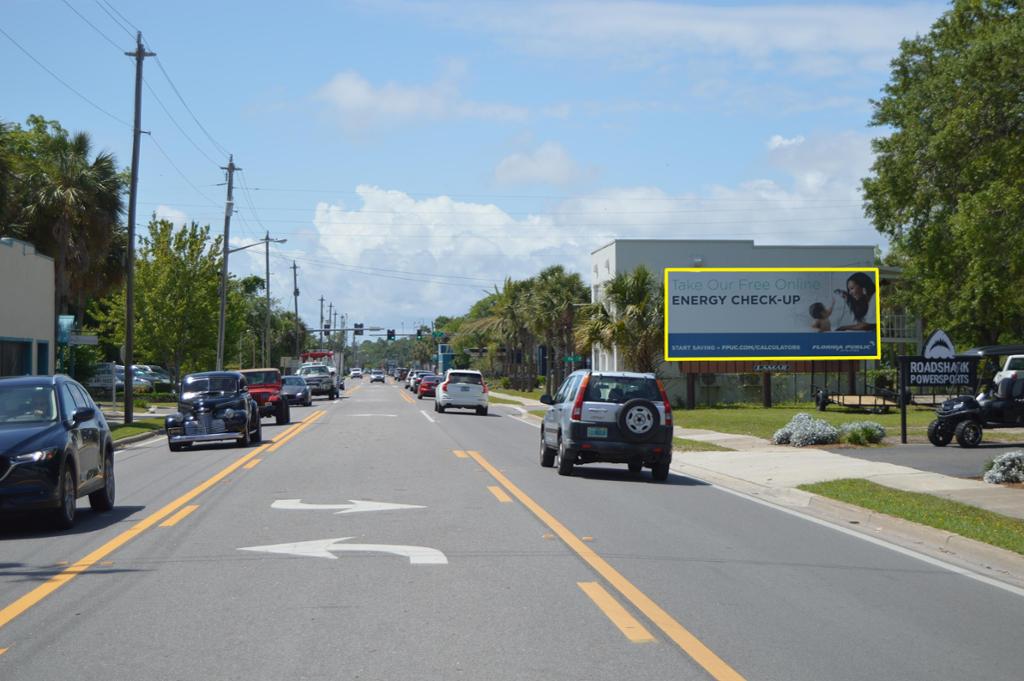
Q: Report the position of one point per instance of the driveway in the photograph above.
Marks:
(950, 460)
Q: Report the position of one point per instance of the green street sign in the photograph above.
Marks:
(573, 358)
(438, 334)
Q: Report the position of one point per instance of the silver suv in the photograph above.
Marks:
(615, 417)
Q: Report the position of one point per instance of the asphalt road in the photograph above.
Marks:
(258, 563)
(949, 460)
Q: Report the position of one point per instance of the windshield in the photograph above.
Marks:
(207, 385)
(474, 379)
(1015, 364)
(260, 377)
(27, 403)
(314, 371)
(618, 389)
(293, 380)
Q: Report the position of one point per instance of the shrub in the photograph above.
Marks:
(505, 382)
(1008, 467)
(862, 432)
(803, 430)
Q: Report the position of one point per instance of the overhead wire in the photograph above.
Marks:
(191, 113)
(123, 17)
(210, 202)
(93, 26)
(348, 268)
(115, 19)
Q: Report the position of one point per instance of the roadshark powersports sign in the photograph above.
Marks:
(771, 313)
(939, 366)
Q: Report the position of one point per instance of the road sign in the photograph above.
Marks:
(326, 548)
(83, 339)
(354, 506)
(573, 358)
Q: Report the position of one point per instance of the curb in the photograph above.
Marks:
(119, 444)
(968, 554)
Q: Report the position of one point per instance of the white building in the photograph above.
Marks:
(27, 315)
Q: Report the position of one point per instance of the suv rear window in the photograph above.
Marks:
(619, 389)
(473, 379)
(261, 377)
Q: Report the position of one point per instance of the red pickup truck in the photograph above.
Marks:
(265, 388)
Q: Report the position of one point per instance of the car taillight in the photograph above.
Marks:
(577, 407)
(485, 388)
(444, 387)
(668, 405)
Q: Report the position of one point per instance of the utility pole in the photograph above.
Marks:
(330, 313)
(140, 55)
(321, 321)
(295, 293)
(229, 208)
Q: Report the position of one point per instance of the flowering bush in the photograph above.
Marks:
(803, 430)
(862, 432)
(1008, 467)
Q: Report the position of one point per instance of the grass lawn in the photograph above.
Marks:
(745, 419)
(501, 400)
(530, 394)
(682, 444)
(952, 516)
(140, 426)
(539, 413)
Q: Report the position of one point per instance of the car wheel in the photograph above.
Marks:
(938, 435)
(103, 499)
(419, 397)
(635, 467)
(246, 438)
(258, 435)
(659, 472)
(547, 454)
(283, 413)
(174, 446)
(64, 515)
(638, 420)
(565, 460)
(968, 433)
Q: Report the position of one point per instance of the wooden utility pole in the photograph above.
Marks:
(229, 208)
(140, 55)
(295, 294)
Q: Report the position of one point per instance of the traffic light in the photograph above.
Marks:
(357, 330)
(419, 334)
(391, 334)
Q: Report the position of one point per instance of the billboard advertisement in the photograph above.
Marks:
(761, 313)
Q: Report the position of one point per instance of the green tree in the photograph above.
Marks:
(67, 202)
(555, 295)
(628, 316)
(947, 185)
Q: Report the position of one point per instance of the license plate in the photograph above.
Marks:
(595, 431)
(464, 389)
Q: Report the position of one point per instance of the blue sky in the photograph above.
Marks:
(415, 153)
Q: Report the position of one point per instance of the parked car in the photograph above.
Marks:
(377, 376)
(296, 390)
(426, 386)
(461, 389)
(212, 406)
(55, 446)
(265, 387)
(614, 417)
(319, 379)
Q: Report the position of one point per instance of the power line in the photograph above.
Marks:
(64, 83)
(389, 276)
(183, 175)
(180, 129)
(216, 144)
(406, 272)
(93, 26)
(115, 19)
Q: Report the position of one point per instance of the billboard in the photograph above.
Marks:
(766, 313)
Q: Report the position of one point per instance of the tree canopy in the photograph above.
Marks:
(947, 185)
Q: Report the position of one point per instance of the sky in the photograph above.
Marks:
(415, 153)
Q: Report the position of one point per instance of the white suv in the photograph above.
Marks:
(461, 389)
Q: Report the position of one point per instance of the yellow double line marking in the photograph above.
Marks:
(627, 624)
(406, 397)
(676, 632)
(37, 594)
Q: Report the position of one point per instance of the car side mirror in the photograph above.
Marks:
(83, 414)
(546, 399)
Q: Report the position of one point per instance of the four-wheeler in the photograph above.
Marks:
(426, 386)
(212, 406)
(461, 389)
(296, 391)
(966, 417)
(377, 376)
(319, 379)
(265, 387)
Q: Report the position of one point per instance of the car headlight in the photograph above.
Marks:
(34, 457)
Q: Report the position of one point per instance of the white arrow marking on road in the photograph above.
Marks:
(325, 548)
(354, 506)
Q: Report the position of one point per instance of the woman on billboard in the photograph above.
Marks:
(860, 301)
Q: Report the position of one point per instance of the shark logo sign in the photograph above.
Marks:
(939, 346)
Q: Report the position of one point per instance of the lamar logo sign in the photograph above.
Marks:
(940, 366)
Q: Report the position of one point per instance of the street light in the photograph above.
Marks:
(266, 241)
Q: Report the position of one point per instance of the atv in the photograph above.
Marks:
(966, 417)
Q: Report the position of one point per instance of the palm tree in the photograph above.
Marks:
(628, 317)
(554, 298)
(73, 211)
(505, 324)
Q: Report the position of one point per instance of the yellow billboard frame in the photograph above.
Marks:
(878, 313)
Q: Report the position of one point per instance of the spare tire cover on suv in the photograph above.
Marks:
(638, 420)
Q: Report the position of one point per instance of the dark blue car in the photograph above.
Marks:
(55, 446)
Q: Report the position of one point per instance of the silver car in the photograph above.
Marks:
(614, 417)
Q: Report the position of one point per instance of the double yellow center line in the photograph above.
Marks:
(37, 594)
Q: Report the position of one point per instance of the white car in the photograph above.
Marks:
(461, 389)
(356, 373)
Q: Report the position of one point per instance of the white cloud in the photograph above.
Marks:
(778, 141)
(548, 164)
(360, 104)
(172, 215)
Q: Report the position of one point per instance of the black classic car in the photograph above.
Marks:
(212, 406)
(55, 446)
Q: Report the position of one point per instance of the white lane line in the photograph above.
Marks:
(428, 416)
(964, 572)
